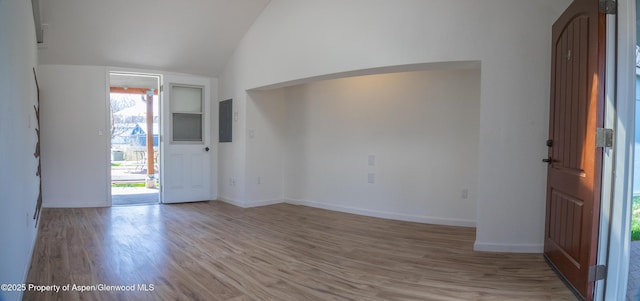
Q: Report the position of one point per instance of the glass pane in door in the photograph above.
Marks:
(187, 127)
(186, 113)
(186, 99)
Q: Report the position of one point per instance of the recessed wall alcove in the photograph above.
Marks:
(397, 142)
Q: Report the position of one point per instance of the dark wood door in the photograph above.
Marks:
(574, 172)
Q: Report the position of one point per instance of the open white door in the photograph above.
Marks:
(186, 139)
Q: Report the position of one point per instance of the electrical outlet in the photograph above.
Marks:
(371, 178)
(464, 193)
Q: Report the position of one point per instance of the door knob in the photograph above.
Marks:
(547, 160)
(206, 149)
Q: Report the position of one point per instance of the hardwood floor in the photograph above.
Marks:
(216, 251)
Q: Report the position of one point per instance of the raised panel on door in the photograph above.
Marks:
(197, 172)
(176, 165)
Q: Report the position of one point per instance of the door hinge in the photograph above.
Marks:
(161, 88)
(604, 137)
(609, 7)
(597, 272)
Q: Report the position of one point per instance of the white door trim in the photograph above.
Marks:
(619, 237)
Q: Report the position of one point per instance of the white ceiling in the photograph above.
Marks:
(189, 36)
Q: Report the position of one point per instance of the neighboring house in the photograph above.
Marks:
(138, 135)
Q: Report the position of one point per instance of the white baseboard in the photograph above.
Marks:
(68, 204)
(250, 204)
(508, 248)
(228, 200)
(387, 215)
(264, 203)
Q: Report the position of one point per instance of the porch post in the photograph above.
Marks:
(151, 181)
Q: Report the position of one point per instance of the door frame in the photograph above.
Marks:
(617, 223)
(609, 154)
(109, 71)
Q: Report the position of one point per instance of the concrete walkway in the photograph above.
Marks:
(128, 174)
(121, 196)
(131, 174)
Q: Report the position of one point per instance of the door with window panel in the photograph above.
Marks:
(186, 141)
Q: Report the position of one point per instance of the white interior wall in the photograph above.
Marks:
(265, 147)
(213, 105)
(18, 180)
(232, 155)
(421, 128)
(75, 161)
(75, 136)
(293, 40)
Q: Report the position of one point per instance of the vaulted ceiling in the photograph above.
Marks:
(189, 36)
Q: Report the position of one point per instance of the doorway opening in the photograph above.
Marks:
(135, 148)
(633, 286)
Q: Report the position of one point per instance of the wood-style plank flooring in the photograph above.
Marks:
(216, 251)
